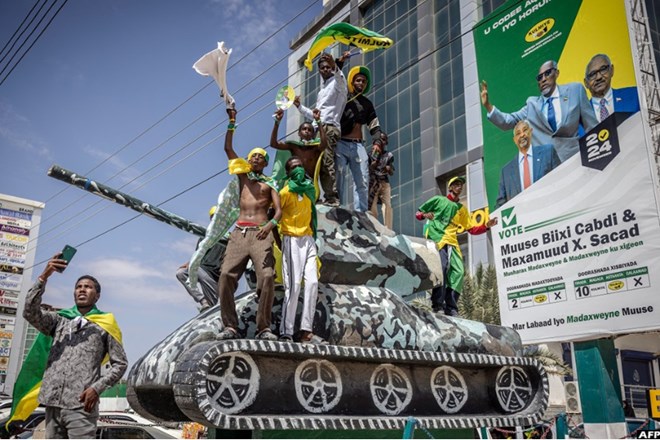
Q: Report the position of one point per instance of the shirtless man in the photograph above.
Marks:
(251, 239)
(350, 152)
(309, 149)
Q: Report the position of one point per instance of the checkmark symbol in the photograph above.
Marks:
(508, 217)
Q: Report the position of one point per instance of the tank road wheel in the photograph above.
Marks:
(318, 385)
(513, 389)
(449, 389)
(213, 379)
(232, 382)
(391, 390)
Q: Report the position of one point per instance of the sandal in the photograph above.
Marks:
(311, 338)
(266, 335)
(228, 333)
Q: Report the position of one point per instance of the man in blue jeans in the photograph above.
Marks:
(351, 152)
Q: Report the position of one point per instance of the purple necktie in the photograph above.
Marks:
(603, 109)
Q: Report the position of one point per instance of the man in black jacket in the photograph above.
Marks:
(351, 152)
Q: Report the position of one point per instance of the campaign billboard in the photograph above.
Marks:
(573, 184)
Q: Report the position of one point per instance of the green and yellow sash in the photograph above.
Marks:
(28, 383)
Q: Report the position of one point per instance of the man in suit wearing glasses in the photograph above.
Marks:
(555, 116)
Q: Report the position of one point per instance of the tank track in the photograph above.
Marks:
(250, 384)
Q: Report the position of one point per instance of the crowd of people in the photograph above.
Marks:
(330, 145)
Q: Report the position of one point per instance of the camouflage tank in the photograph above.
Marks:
(386, 360)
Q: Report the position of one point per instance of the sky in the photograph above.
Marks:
(103, 73)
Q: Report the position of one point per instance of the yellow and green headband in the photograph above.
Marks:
(259, 151)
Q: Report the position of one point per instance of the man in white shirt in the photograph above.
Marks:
(330, 100)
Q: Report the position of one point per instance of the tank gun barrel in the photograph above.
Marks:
(124, 199)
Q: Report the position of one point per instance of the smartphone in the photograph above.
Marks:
(67, 254)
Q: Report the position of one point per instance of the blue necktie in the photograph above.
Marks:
(551, 115)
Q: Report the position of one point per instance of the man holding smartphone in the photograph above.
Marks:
(67, 368)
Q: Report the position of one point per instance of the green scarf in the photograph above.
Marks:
(28, 382)
(300, 184)
(310, 143)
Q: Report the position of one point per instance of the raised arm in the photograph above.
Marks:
(324, 139)
(307, 113)
(279, 114)
(45, 322)
(229, 137)
(342, 59)
(484, 97)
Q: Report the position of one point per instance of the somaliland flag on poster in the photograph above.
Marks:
(576, 253)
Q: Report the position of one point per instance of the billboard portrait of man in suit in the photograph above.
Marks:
(604, 99)
(555, 116)
(530, 164)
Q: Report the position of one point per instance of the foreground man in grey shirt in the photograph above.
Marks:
(82, 337)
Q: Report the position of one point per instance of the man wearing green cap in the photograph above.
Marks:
(445, 215)
(351, 153)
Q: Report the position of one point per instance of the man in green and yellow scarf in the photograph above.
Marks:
(298, 229)
(63, 368)
(251, 239)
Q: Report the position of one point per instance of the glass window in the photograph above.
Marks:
(405, 115)
(653, 13)
(490, 5)
(446, 112)
(406, 165)
(390, 15)
(124, 432)
(447, 149)
(460, 139)
(444, 84)
(417, 183)
(459, 105)
(405, 135)
(449, 80)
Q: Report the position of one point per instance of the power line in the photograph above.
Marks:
(33, 42)
(20, 26)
